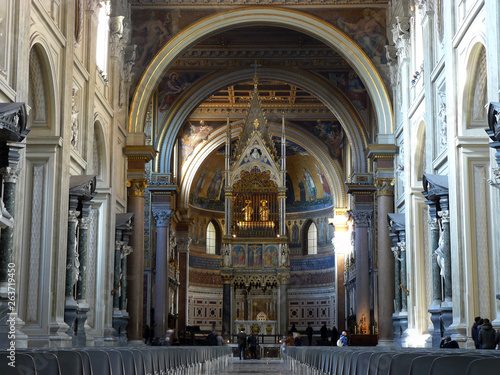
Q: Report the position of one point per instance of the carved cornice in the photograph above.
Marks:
(13, 119)
(125, 221)
(82, 186)
(137, 187)
(144, 153)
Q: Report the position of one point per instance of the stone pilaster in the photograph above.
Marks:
(284, 280)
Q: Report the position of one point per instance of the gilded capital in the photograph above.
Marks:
(137, 187)
(385, 186)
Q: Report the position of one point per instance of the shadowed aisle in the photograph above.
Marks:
(256, 366)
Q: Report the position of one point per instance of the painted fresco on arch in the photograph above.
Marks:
(366, 26)
(192, 134)
(330, 133)
(270, 256)
(207, 190)
(238, 256)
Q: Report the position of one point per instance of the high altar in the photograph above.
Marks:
(255, 255)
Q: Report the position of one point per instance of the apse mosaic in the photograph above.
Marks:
(307, 185)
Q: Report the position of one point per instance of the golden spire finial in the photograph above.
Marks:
(255, 79)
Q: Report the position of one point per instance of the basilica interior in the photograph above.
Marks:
(194, 166)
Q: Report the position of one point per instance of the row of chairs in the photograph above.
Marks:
(117, 361)
(390, 361)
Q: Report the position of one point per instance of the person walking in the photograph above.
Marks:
(298, 340)
(335, 334)
(342, 341)
(486, 335)
(252, 345)
(309, 333)
(475, 331)
(242, 343)
(324, 332)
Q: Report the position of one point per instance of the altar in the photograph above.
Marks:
(258, 327)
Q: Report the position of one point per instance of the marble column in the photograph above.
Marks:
(135, 271)
(162, 220)
(385, 261)
(9, 178)
(72, 269)
(397, 297)
(362, 219)
(226, 305)
(404, 288)
(117, 272)
(183, 245)
(447, 305)
(435, 308)
(81, 285)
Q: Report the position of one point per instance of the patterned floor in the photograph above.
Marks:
(256, 366)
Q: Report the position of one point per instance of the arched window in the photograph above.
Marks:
(211, 238)
(312, 239)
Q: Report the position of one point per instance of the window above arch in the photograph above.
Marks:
(211, 238)
(312, 239)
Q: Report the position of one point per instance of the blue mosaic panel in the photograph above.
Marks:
(203, 263)
(312, 264)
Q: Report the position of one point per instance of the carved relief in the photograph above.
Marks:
(443, 126)
(74, 118)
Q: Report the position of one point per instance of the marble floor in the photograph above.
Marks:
(256, 366)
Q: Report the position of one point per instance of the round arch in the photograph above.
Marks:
(275, 16)
(329, 95)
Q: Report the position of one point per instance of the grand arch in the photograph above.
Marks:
(330, 96)
(253, 16)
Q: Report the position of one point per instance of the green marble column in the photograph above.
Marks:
(72, 262)
(9, 177)
(397, 279)
(404, 282)
(117, 273)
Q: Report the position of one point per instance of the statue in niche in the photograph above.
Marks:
(248, 210)
(285, 260)
(264, 211)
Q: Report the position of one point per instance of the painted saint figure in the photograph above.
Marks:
(323, 181)
(311, 188)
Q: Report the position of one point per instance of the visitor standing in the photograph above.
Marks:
(475, 331)
(486, 335)
(309, 333)
(242, 343)
(252, 345)
(323, 331)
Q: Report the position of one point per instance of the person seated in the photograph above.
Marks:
(447, 342)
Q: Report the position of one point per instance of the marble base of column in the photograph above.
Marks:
(70, 312)
(435, 312)
(226, 310)
(81, 319)
(403, 322)
(396, 323)
(446, 318)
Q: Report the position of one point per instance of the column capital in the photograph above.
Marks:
(402, 246)
(9, 174)
(162, 217)
(433, 223)
(401, 36)
(494, 181)
(396, 251)
(361, 217)
(284, 278)
(445, 216)
(73, 216)
(385, 186)
(226, 278)
(137, 187)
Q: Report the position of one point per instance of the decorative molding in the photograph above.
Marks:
(79, 22)
(391, 53)
(118, 37)
(137, 187)
(13, 120)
